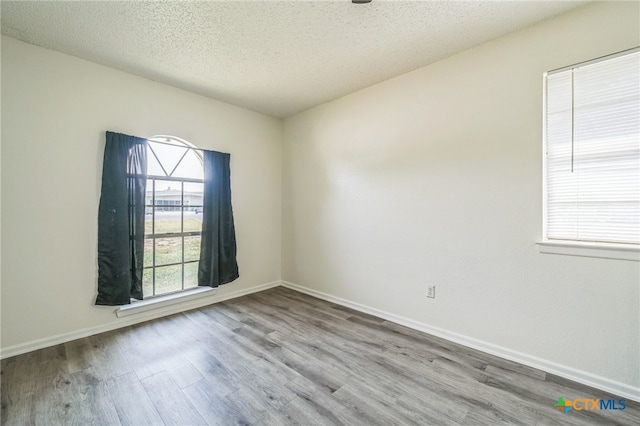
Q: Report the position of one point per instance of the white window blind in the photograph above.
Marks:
(592, 144)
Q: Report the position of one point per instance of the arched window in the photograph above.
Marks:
(165, 220)
(173, 215)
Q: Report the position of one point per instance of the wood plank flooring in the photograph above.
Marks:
(280, 357)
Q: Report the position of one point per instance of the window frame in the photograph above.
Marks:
(167, 205)
(606, 250)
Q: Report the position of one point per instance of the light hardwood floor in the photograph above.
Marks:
(279, 358)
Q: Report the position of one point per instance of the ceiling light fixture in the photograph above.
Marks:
(360, 1)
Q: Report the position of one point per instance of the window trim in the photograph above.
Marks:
(594, 60)
(164, 300)
(599, 250)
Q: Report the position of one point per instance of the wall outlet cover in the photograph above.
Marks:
(431, 291)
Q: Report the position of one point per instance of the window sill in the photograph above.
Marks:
(600, 250)
(164, 301)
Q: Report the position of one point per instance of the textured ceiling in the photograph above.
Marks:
(275, 57)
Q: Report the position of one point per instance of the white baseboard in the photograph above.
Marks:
(586, 378)
(206, 299)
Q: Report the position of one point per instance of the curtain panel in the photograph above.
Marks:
(121, 220)
(218, 263)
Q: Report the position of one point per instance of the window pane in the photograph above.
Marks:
(149, 191)
(168, 193)
(169, 156)
(168, 279)
(191, 248)
(148, 220)
(190, 167)
(153, 167)
(193, 194)
(148, 252)
(168, 221)
(191, 275)
(147, 283)
(193, 219)
(168, 250)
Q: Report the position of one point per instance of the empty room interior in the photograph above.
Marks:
(320, 212)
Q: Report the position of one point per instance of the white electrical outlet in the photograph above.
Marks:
(431, 291)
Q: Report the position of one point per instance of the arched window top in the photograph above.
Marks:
(173, 157)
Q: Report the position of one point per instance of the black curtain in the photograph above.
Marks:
(121, 220)
(218, 263)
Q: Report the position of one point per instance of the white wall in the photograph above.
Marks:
(434, 177)
(55, 111)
